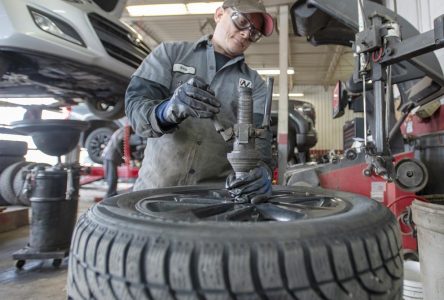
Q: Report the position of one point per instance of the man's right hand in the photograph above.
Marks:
(192, 99)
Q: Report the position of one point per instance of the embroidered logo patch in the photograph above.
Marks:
(245, 83)
(184, 69)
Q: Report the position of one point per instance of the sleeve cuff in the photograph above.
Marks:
(156, 122)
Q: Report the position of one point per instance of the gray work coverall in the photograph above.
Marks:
(193, 152)
(112, 158)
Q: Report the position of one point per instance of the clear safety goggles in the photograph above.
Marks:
(241, 22)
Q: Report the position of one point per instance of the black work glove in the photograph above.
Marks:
(254, 186)
(192, 99)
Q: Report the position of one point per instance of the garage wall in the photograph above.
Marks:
(329, 130)
(421, 14)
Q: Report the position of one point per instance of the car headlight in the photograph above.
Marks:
(55, 26)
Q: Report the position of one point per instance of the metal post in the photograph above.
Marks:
(283, 91)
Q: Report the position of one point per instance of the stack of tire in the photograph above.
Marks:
(13, 170)
(11, 153)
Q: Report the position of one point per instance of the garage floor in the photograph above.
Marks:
(39, 279)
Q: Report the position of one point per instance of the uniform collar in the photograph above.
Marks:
(206, 41)
(203, 41)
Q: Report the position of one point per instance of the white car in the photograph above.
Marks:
(71, 50)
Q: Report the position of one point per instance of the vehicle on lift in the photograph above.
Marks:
(73, 51)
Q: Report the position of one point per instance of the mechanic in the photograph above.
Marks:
(112, 158)
(181, 86)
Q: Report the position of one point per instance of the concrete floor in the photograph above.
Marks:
(39, 279)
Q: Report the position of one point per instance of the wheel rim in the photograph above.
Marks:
(98, 144)
(218, 205)
(102, 105)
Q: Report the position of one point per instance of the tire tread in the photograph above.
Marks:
(114, 263)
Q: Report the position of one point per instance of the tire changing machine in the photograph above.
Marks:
(53, 191)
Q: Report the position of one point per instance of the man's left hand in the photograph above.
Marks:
(254, 186)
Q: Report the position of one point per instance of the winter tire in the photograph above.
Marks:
(180, 243)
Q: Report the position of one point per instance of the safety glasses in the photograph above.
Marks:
(241, 22)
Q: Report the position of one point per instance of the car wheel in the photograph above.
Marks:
(196, 243)
(110, 110)
(96, 141)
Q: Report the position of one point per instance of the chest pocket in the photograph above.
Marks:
(179, 79)
(181, 74)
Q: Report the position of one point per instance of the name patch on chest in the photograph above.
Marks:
(245, 83)
(184, 69)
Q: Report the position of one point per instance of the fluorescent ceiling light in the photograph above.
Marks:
(291, 95)
(30, 101)
(157, 10)
(290, 71)
(195, 8)
(202, 8)
(295, 94)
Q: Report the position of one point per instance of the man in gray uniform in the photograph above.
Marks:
(112, 158)
(180, 86)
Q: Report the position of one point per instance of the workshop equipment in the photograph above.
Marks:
(388, 51)
(53, 191)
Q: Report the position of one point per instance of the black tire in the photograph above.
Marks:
(7, 182)
(19, 182)
(107, 109)
(4, 65)
(20, 264)
(13, 148)
(118, 253)
(6, 161)
(56, 262)
(96, 141)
